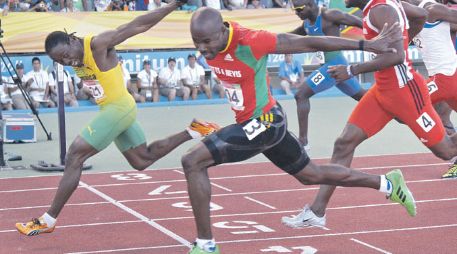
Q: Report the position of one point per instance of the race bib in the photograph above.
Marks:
(418, 43)
(234, 95)
(96, 90)
(148, 94)
(317, 78)
(426, 122)
(320, 57)
(253, 129)
(432, 87)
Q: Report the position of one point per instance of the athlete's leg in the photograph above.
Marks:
(366, 120)
(78, 153)
(302, 96)
(132, 144)
(444, 111)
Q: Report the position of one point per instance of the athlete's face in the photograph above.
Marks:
(67, 54)
(303, 8)
(209, 43)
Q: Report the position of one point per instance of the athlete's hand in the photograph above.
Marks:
(382, 43)
(338, 72)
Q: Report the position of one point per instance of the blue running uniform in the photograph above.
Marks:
(319, 80)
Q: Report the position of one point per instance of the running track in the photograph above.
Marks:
(148, 212)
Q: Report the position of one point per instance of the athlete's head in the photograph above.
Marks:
(356, 3)
(64, 48)
(304, 8)
(208, 31)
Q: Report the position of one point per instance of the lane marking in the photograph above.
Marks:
(370, 246)
(282, 238)
(178, 171)
(136, 214)
(226, 164)
(225, 177)
(221, 187)
(260, 202)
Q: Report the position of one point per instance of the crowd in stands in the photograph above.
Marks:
(129, 5)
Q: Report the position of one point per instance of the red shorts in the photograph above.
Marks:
(443, 88)
(410, 104)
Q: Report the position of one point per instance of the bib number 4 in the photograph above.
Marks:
(426, 122)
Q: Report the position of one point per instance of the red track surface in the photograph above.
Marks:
(249, 200)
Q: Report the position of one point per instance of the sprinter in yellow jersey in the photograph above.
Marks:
(94, 58)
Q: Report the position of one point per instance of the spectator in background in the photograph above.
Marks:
(193, 77)
(39, 6)
(55, 6)
(142, 5)
(68, 88)
(290, 73)
(170, 84)
(5, 100)
(102, 5)
(255, 4)
(147, 83)
(16, 95)
(235, 4)
(68, 7)
(4, 7)
(154, 4)
(133, 90)
(216, 85)
(83, 92)
(38, 85)
(215, 4)
(192, 5)
(115, 5)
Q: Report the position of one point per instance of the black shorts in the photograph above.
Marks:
(231, 143)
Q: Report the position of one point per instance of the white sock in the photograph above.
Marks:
(386, 185)
(206, 245)
(49, 220)
(193, 134)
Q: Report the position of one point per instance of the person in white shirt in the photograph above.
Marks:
(147, 83)
(14, 91)
(215, 4)
(5, 99)
(83, 92)
(170, 84)
(38, 85)
(193, 76)
(217, 85)
(68, 88)
(133, 90)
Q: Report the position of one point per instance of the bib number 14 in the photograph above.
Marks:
(235, 97)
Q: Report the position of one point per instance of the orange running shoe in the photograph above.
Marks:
(34, 227)
(198, 129)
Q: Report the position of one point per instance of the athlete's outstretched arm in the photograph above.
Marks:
(441, 12)
(299, 30)
(416, 17)
(341, 18)
(290, 43)
(141, 24)
(378, 15)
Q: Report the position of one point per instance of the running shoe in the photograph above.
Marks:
(211, 250)
(400, 192)
(451, 172)
(306, 218)
(34, 227)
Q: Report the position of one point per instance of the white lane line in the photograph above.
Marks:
(221, 187)
(260, 202)
(294, 211)
(226, 164)
(223, 177)
(179, 171)
(283, 238)
(46, 206)
(137, 214)
(84, 225)
(370, 246)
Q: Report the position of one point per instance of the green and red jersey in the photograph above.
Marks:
(242, 67)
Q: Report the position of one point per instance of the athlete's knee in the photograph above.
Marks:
(310, 175)
(444, 154)
(347, 141)
(189, 162)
